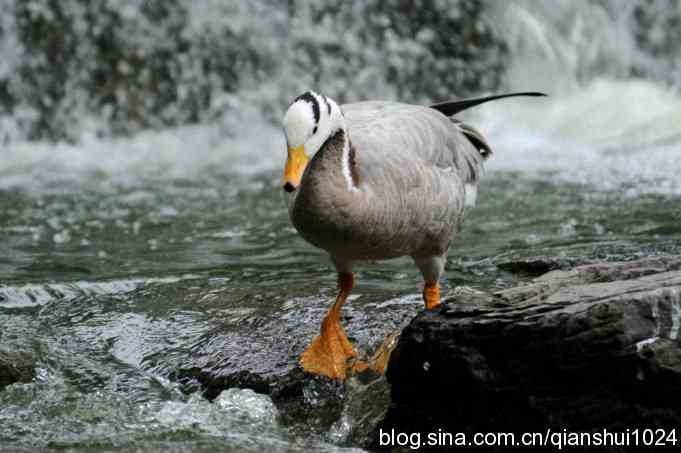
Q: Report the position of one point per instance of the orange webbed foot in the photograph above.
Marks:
(331, 354)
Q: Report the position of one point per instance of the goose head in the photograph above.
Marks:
(309, 122)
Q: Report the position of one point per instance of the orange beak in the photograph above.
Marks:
(295, 166)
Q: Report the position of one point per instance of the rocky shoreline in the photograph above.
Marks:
(583, 349)
(587, 348)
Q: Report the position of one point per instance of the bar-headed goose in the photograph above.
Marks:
(378, 180)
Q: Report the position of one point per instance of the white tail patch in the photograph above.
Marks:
(471, 194)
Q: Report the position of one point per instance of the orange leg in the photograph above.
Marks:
(431, 295)
(331, 353)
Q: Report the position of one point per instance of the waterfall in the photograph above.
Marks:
(175, 87)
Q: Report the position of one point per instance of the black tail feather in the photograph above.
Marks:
(453, 107)
(474, 137)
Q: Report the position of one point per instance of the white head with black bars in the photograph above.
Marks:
(310, 120)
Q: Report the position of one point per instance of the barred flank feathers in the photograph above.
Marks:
(451, 108)
(469, 160)
(473, 163)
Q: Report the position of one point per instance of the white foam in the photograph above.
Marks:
(643, 343)
(234, 407)
(614, 135)
(244, 145)
(40, 294)
(609, 134)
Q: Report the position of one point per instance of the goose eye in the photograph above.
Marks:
(314, 131)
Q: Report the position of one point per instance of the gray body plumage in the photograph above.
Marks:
(411, 167)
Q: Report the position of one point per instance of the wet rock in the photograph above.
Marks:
(265, 358)
(14, 368)
(658, 46)
(535, 266)
(17, 356)
(85, 63)
(584, 349)
(85, 46)
(366, 403)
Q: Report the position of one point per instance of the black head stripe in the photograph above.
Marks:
(328, 105)
(309, 97)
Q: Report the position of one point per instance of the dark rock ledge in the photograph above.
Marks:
(17, 356)
(14, 369)
(582, 349)
(590, 348)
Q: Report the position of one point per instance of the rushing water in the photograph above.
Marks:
(116, 250)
